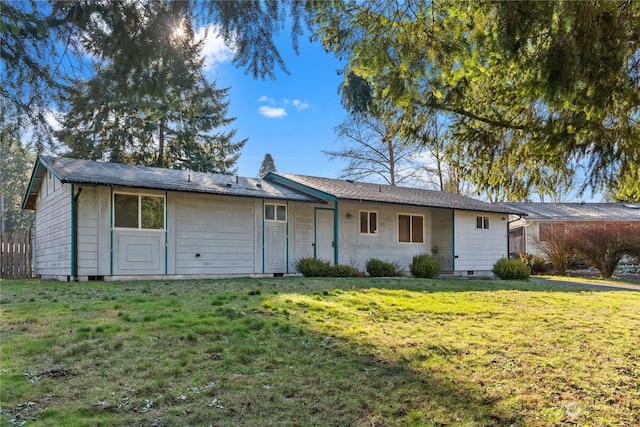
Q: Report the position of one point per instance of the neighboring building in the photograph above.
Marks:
(525, 233)
(108, 221)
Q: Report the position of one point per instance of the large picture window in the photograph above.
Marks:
(368, 222)
(411, 228)
(138, 211)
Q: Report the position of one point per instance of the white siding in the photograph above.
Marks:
(478, 249)
(356, 249)
(220, 229)
(442, 238)
(303, 232)
(88, 232)
(53, 229)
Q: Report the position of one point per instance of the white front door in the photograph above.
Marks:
(275, 238)
(324, 236)
(275, 247)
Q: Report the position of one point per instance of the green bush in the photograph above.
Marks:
(425, 266)
(313, 267)
(538, 264)
(378, 268)
(341, 270)
(511, 269)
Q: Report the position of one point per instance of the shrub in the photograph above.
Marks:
(604, 245)
(536, 263)
(511, 269)
(378, 268)
(425, 266)
(313, 267)
(341, 270)
(558, 247)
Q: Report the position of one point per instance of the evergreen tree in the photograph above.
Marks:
(149, 102)
(528, 87)
(16, 164)
(267, 165)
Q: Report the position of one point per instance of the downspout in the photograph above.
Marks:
(74, 236)
(509, 237)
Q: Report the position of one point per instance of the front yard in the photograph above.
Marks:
(299, 351)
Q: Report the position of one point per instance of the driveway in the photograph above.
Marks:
(589, 284)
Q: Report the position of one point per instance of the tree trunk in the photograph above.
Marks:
(161, 143)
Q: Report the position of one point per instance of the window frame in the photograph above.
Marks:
(411, 227)
(275, 212)
(368, 216)
(482, 222)
(139, 197)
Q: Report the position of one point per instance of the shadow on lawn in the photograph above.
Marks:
(419, 398)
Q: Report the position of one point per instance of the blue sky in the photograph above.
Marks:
(292, 117)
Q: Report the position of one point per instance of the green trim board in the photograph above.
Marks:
(335, 232)
(166, 233)
(73, 232)
(35, 176)
(262, 218)
(453, 240)
(111, 231)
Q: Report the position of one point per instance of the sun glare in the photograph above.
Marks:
(179, 32)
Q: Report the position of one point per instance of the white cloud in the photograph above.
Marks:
(265, 98)
(215, 51)
(271, 112)
(301, 105)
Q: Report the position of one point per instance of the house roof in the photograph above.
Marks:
(577, 211)
(337, 189)
(89, 172)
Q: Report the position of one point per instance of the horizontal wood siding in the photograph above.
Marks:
(356, 249)
(52, 246)
(220, 229)
(88, 232)
(303, 232)
(478, 249)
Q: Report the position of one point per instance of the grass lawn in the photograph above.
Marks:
(323, 352)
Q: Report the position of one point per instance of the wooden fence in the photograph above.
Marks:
(15, 254)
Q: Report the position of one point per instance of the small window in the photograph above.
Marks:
(275, 212)
(281, 213)
(269, 212)
(136, 211)
(482, 222)
(411, 228)
(368, 222)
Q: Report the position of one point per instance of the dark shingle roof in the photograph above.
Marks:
(577, 211)
(360, 191)
(116, 174)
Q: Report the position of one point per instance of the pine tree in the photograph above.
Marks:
(149, 102)
(267, 165)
